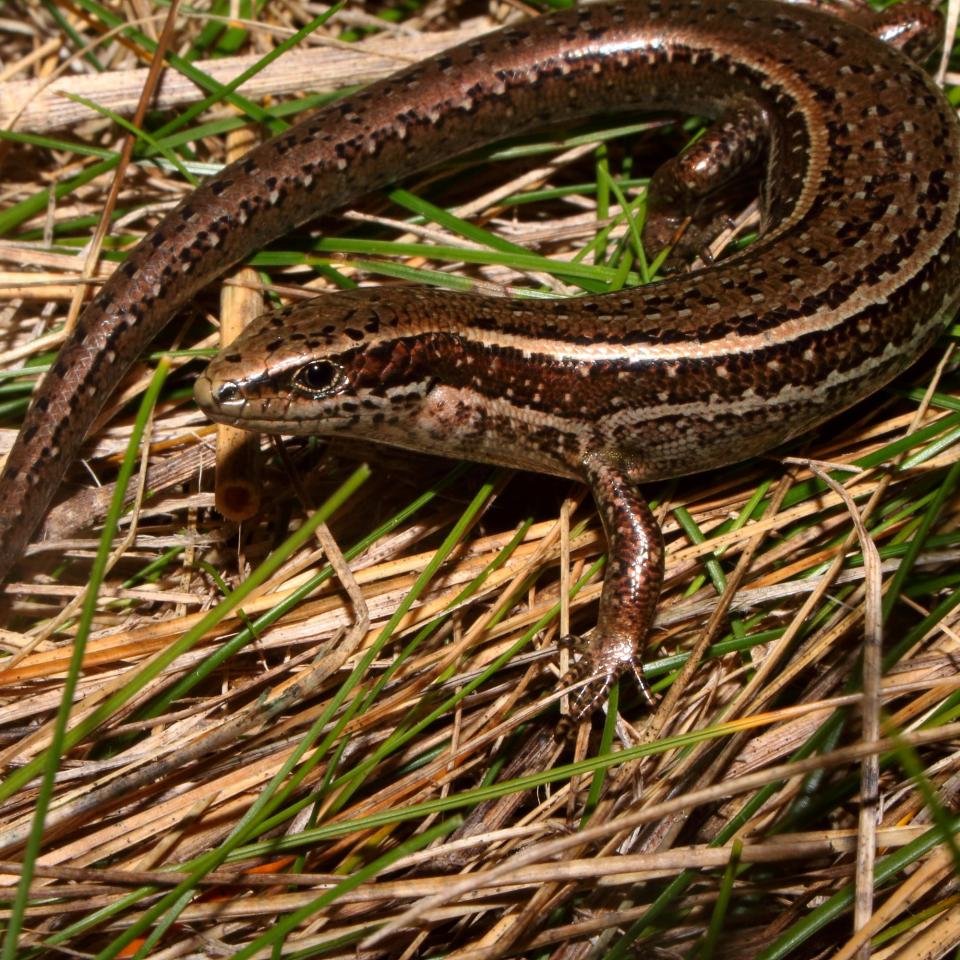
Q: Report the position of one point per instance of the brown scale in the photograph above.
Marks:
(825, 120)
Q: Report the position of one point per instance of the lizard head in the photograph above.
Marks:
(340, 363)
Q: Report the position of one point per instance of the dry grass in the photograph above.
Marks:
(278, 771)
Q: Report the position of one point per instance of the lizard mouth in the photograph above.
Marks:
(223, 401)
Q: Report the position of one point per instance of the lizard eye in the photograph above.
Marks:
(319, 378)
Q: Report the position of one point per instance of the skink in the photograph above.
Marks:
(853, 276)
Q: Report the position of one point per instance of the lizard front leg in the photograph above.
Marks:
(631, 586)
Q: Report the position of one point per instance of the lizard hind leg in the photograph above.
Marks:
(691, 196)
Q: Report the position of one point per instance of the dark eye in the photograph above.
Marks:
(319, 377)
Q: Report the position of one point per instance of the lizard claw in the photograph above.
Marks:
(596, 680)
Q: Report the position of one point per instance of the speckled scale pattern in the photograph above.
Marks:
(517, 79)
(853, 277)
(855, 273)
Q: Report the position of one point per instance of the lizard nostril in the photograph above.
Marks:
(228, 392)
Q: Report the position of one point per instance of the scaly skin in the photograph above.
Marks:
(853, 278)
